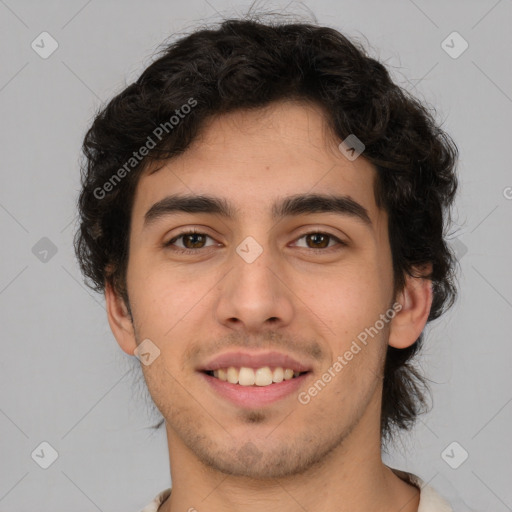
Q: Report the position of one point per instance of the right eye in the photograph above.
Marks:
(193, 237)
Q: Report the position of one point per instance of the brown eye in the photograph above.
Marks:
(195, 239)
(191, 241)
(318, 240)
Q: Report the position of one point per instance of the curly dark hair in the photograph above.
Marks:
(247, 64)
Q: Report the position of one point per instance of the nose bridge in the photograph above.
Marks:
(254, 257)
(254, 292)
(255, 267)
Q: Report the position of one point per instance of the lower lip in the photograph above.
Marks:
(255, 396)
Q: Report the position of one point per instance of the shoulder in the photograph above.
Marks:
(430, 500)
(154, 505)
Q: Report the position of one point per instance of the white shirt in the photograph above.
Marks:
(430, 501)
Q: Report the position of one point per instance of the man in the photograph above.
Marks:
(264, 211)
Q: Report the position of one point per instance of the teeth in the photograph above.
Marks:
(263, 376)
(249, 377)
(232, 375)
(278, 374)
(246, 376)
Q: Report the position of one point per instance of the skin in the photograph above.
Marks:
(325, 455)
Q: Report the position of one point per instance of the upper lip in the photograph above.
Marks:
(254, 360)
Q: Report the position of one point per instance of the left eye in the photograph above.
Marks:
(197, 238)
(320, 238)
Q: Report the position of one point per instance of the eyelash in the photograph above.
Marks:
(179, 250)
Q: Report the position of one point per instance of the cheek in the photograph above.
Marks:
(347, 299)
(164, 305)
(170, 301)
(158, 300)
(350, 302)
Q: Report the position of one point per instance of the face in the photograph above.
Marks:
(255, 290)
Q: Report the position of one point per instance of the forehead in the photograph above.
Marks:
(252, 158)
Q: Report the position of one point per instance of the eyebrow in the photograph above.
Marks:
(295, 205)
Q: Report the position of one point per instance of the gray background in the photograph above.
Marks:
(63, 378)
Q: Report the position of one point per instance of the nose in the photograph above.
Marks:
(255, 296)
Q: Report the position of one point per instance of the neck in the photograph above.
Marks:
(352, 478)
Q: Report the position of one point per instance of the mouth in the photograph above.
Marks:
(254, 379)
(258, 377)
(248, 394)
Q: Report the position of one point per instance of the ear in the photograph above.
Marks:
(120, 320)
(416, 301)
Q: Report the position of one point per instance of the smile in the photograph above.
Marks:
(254, 396)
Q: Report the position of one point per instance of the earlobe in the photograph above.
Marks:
(409, 322)
(120, 320)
